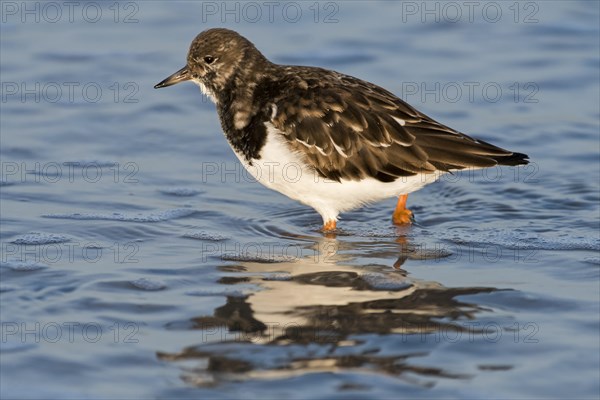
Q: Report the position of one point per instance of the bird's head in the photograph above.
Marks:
(216, 57)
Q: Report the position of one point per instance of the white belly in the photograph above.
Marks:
(282, 170)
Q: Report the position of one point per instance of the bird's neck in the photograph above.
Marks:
(242, 112)
(238, 92)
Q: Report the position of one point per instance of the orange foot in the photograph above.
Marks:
(329, 226)
(402, 215)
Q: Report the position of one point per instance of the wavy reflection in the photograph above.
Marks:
(320, 314)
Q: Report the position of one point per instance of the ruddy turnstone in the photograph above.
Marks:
(326, 139)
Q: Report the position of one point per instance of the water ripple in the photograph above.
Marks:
(203, 235)
(24, 266)
(138, 217)
(525, 240)
(180, 192)
(40, 238)
(148, 284)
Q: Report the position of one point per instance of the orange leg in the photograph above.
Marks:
(329, 226)
(402, 216)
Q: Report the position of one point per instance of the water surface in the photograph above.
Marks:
(139, 260)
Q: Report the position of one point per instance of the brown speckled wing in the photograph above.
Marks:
(347, 128)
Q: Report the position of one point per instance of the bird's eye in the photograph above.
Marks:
(209, 59)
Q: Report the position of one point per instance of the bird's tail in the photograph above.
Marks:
(513, 159)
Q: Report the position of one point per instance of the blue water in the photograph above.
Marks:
(139, 260)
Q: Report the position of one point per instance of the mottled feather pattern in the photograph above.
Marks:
(347, 128)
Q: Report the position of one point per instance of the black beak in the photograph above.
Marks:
(182, 75)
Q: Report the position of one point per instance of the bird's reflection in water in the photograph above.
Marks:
(320, 314)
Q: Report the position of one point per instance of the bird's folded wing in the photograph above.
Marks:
(346, 128)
